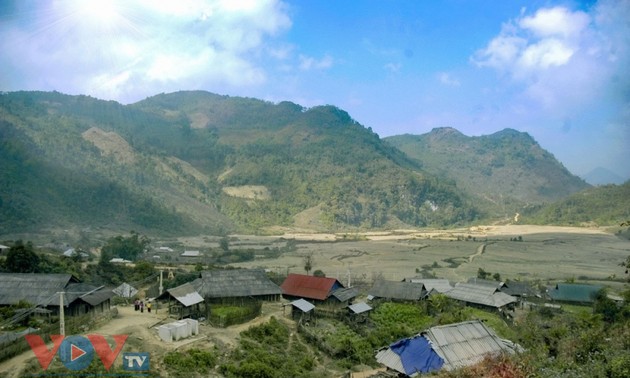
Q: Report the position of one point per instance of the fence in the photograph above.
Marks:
(13, 345)
(242, 313)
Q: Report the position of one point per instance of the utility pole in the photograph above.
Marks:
(62, 325)
(161, 286)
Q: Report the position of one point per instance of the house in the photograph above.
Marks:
(481, 295)
(230, 285)
(574, 293)
(183, 301)
(191, 254)
(302, 310)
(432, 285)
(317, 289)
(397, 290)
(520, 289)
(481, 281)
(358, 312)
(44, 290)
(448, 347)
(125, 290)
(343, 296)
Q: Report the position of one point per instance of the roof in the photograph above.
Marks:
(303, 305)
(230, 283)
(481, 281)
(185, 294)
(408, 291)
(125, 290)
(480, 294)
(97, 297)
(466, 343)
(519, 289)
(311, 287)
(447, 347)
(432, 284)
(345, 294)
(574, 292)
(359, 308)
(410, 356)
(191, 254)
(34, 288)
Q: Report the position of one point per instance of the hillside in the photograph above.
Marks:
(505, 171)
(191, 161)
(602, 205)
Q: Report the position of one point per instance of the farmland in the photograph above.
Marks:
(515, 252)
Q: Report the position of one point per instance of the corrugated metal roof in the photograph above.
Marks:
(185, 294)
(466, 343)
(574, 292)
(312, 287)
(408, 291)
(97, 297)
(34, 288)
(480, 294)
(191, 254)
(389, 358)
(125, 290)
(303, 305)
(437, 284)
(359, 308)
(345, 294)
(231, 283)
(481, 281)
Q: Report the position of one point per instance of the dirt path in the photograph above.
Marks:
(480, 251)
(142, 336)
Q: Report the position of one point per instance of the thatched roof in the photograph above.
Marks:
(405, 291)
(235, 283)
(36, 289)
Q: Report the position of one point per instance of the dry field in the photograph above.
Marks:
(545, 253)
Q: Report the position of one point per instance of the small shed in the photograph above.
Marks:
(302, 310)
(183, 301)
(358, 312)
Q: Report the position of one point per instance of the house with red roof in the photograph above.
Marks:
(313, 288)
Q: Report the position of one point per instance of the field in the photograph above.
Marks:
(515, 252)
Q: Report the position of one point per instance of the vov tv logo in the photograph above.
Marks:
(77, 352)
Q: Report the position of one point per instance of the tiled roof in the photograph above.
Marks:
(407, 291)
(229, 283)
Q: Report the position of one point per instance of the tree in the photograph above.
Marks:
(22, 258)
(482, 274)
(126, 247)
(496, 276)
(319, 273)
(308, 263)
(224, 243)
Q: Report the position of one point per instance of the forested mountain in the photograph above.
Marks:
(191, 161)
(506, 172)
(607, 204)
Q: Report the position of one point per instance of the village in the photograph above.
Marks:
(197, 313)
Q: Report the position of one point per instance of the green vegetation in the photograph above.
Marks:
(504, 171)
(602, 205)
(190, 362)
(269, 350)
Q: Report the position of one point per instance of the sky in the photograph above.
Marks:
(558, 70)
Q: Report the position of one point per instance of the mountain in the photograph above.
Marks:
(188, 162)
(504, 171)
(602, 176)
(602, 205)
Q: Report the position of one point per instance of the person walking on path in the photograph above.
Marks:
(141, 306)
(136, 305)
(149, 307)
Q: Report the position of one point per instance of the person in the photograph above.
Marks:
(149, 307)
(141, 306)
(136, 305)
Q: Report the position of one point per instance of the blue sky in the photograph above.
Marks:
(558, 70)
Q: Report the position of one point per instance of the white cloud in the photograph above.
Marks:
(393, 67)
(448, 80)
(557, 21)
(137, 48)
(308, 63)
(561, 58)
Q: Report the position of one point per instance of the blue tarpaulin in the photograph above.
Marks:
(417, 356)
